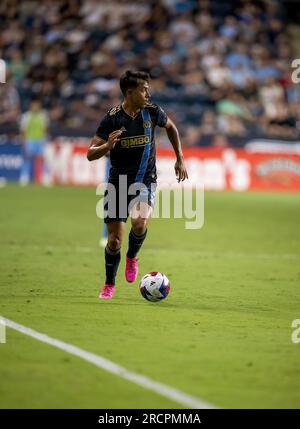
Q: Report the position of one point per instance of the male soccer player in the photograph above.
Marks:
(127, 131)
(34, 128)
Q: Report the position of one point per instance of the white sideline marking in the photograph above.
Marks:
(143, 381)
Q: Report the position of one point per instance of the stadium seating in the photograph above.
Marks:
(221, 66)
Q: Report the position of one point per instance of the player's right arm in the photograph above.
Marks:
(99, 147)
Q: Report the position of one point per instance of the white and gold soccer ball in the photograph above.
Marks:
(155, 286)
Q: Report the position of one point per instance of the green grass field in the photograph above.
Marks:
(223, 334)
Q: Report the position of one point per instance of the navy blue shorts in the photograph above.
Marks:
(120, 197)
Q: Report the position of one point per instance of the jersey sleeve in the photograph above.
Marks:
(105, 127)
(161, 117)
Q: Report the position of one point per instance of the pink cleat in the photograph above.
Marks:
(131, 270)
(107, 292)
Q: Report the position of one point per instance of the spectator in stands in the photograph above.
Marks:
(17, 65)
(69, 53)
(208, 123)
(272, 97)
(9, 103)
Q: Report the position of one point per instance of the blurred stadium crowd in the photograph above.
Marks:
(218, 67)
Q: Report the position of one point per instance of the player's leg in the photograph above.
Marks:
(26, 164)
(103, 239)
(112, 257)
(45, 179)
(140, 218)
(38, 162)
(25, 172)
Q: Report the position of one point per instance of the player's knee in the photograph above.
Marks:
(140, 226)
(114, 242)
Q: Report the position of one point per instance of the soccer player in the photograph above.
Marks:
(34, 128)
(127, 131)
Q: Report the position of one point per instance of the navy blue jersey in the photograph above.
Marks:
(136, 149)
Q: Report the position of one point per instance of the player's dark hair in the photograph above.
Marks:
(130, 80)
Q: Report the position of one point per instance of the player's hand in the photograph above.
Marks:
(113, 138)
(180, 170)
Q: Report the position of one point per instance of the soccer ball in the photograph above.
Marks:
(155, 286)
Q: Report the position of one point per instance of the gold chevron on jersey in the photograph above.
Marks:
(114, 110)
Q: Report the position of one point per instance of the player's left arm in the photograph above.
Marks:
(173, 136)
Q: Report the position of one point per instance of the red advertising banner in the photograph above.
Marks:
(241, 170)
(217, 169)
